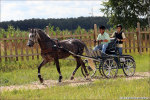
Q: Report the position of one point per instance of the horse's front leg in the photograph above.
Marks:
(39, 69)
(58, 69)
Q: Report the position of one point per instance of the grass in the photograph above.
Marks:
(11, 65)
(18, 77)
(142, 61)
(15, 73)
(100, 89)
(22, 73)
(18, 73)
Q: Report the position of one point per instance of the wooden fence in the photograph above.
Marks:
(14, 47)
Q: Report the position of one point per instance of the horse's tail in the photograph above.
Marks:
(86, 50)
(90, 61)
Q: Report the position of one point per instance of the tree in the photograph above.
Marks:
(63, 23)
(126, 12)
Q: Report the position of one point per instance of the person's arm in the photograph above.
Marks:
(112, 35)
(105, 40)
(124, 38)
(99, 39)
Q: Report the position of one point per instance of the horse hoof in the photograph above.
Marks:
(60, 77)
(59, 80)
(88, 78)
(41, 80)
(72, 78)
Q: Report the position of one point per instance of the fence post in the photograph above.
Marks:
(37, 51)
(27, 52)
(149, 37)
(145, 40)
(47, 30)
(22, 47)
(134, 48)
(95, 33)
(80, 35)
(129, 38)
(5, 47)
(16, 47)
(139, 38)
(11, 47)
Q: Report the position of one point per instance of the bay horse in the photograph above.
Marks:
(53, 50)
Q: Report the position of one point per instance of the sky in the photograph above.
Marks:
(43, 9)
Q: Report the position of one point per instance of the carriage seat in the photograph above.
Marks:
(111, 49)
(111, 46)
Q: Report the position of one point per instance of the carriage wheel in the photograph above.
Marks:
(99, 66)
(100, 69)
(91, 72)
(109, 68)
(129, 67)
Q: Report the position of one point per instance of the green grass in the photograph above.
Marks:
(18, 77)
(100, 89)
(15, 73)
(25, 72)
(29, 64)
(142, 61)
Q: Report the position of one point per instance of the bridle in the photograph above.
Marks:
(36, 36)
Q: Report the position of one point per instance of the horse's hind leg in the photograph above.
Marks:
(78, 65)
(58, 69)
(39, 69)
(86, 72)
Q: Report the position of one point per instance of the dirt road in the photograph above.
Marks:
(75, 82)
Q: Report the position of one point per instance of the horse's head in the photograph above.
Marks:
(33, 37)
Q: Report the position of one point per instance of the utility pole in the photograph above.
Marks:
(149, 16)
(91, 13)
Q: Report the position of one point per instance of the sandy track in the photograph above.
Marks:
(75, 82)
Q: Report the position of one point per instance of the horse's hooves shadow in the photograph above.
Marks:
(46, 85)
(97, 77)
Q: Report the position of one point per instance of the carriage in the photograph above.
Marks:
(108, 63)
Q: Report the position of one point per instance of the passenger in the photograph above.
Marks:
(103, 39)
(120, 36)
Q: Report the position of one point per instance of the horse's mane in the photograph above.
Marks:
(43, 34)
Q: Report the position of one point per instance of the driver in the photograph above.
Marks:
(103, 38)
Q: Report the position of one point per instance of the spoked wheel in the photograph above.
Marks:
(99, 66)
(129, 67)
(100, 69)
(91, 72)
(109, 68)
